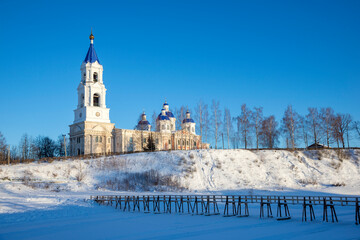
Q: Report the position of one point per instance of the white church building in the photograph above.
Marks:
(93, 133)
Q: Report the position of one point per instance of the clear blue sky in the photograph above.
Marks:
(262, 53)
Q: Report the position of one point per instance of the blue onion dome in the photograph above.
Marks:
(142, 122)
(170, 114)
(188, 120)
(162, 115)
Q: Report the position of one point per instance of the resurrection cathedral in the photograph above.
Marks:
(93, 133)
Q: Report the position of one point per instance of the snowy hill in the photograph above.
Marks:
(197, 170)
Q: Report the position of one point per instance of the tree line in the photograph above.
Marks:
(32, 148)
(251, 129)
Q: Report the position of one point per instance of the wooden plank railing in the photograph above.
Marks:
(233, 204)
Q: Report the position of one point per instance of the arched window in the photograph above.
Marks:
(97, 139)
(96, 100)
(95, 77)
(163, 127)
(82, 100)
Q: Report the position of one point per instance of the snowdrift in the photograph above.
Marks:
(197, 170)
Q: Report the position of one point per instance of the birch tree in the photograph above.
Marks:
(326, 118)
(3, 148)
(206, 123)
(153, 121)
(313, 122)
(269, 133)
(304, 131)
(228, 125)
(244, 125)
(24, 147)
(341, 128)
(257, 117)
(291, 126)
(216, 120)
(180, 114)
(356, 126)
(199, 115)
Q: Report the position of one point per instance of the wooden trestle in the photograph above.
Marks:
(234, 205)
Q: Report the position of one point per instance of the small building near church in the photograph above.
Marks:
(316, 146)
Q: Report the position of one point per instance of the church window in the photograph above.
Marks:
(97, 139)
(100, 139)
(95, 77)
(188, 128)
(194, 144)
(82, 99)
(169, 141)
(96, 100)
(163, 127)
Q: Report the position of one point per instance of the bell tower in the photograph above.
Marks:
(91, 90)
(91, 131)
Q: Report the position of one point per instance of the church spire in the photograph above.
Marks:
(91, 54)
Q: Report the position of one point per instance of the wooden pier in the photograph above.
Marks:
(233, 205)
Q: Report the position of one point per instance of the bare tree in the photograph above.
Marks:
(180, 114)
(326, 118)
(216, 120)
(304, 131)
(153, 121)
(291, 126)
(206, 124)
(340, 127)
(257, 117)
(200, 111)
(269, 133)
(244, 124)
(356, 127)
(3, 148)
(313, 122)
(24, 147)
(228, 127)
(348, 125)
